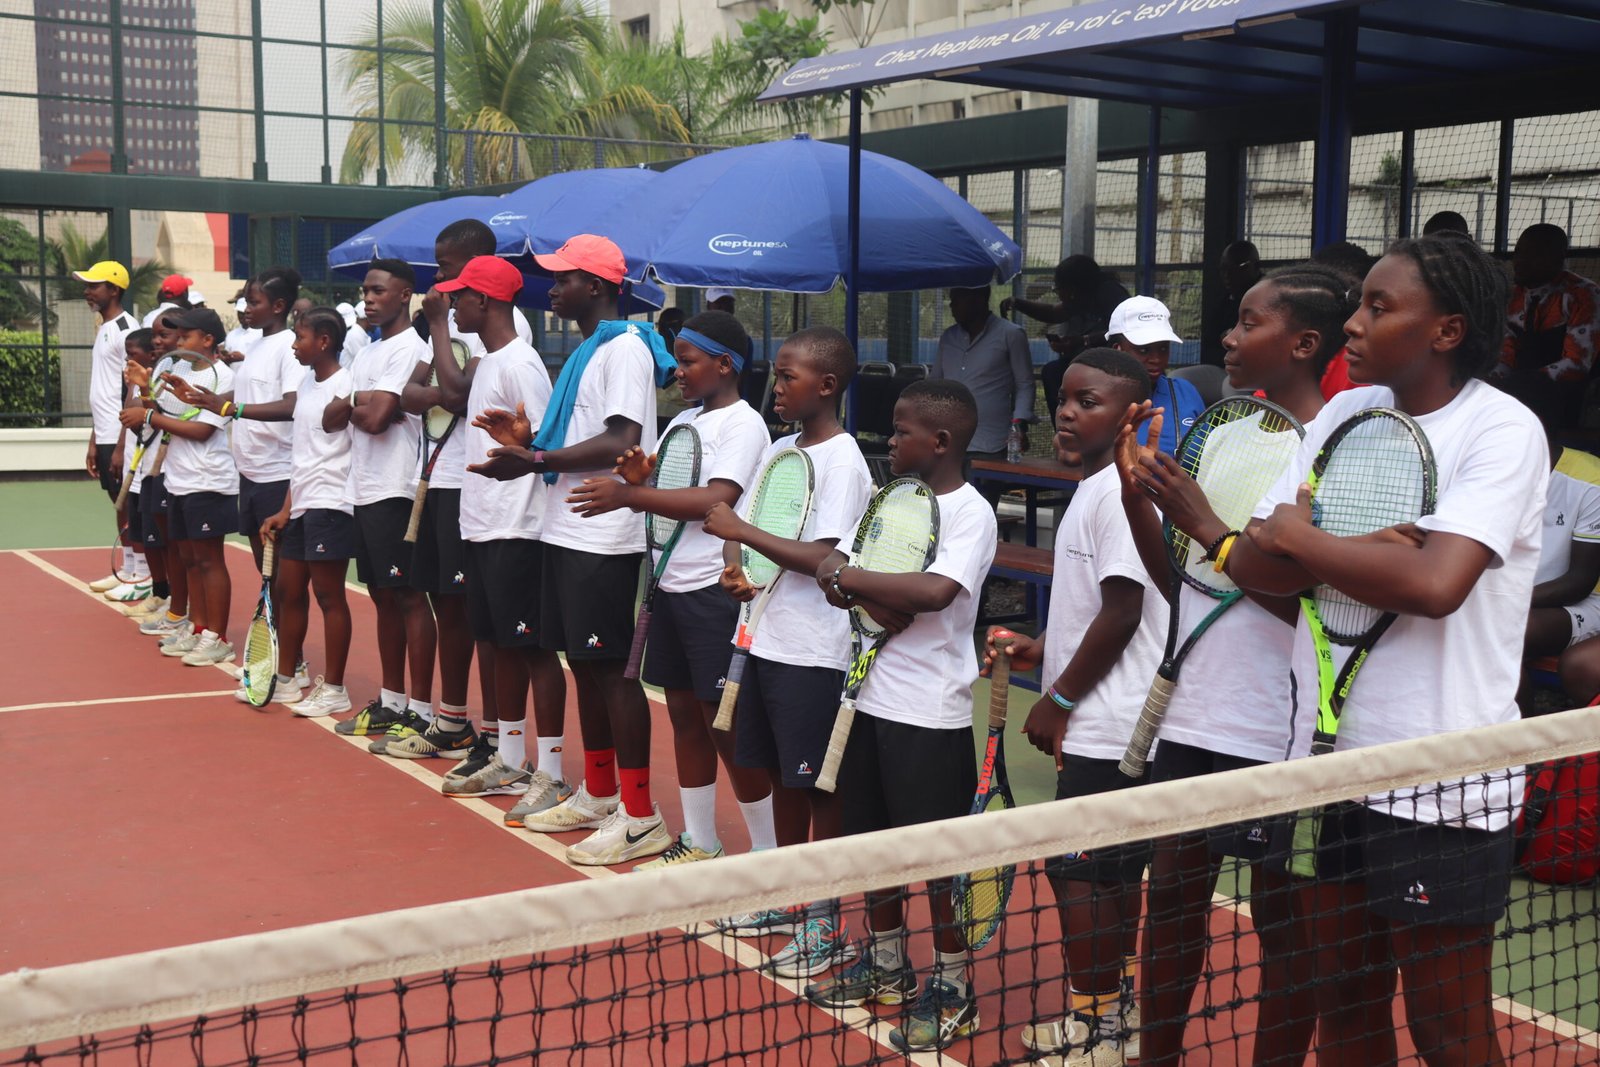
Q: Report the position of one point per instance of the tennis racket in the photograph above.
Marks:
(779, 506)
(981, 896)
(1375, 471)
(157, 387)
(260, 672)
(1235, 450)
(677, 467)
(898, 534)
(437, 426)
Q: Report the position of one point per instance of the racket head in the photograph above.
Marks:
(260, 660)
(898, 534)
(1236, 450)
(981, 896)
(1375, 471)
(780, 505)
(677, 467)
(436, 421)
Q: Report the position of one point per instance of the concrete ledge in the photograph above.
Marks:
(42, 450)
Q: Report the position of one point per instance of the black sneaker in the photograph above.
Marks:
(373, 719)
(478, 757)
(410, 725)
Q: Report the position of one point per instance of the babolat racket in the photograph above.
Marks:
(981, 896)
(779, 506)
(898, 534)
(157, 387)
(437, 426)
(190, 368)
(260, 672)
(677, 467)
(1376, 471)
(1235, 450)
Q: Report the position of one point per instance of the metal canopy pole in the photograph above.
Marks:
(1331, 189)
(853, 236)
(1149, 203)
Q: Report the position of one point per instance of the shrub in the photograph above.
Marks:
(30, 379)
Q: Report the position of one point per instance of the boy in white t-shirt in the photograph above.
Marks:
(910, 754)
(795, 672)
(688, 651)
(1108, 621)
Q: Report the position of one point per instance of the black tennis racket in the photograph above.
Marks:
(677, 467)
(1235, 450)
(898, 534)
(260, 673)
(1375, 471)
(981, 896)
(437, 426)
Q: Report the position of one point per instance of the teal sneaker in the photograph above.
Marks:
(819, 945)
(943, 1015)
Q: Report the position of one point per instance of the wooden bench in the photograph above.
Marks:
(1033, 567)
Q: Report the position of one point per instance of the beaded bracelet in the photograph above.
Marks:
(842, 595)
(1211, 549)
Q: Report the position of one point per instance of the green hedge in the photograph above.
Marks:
(30, 379)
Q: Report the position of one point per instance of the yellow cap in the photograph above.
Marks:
(107, 270)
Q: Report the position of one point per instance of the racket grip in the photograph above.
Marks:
(122, 492)
(160, 461)
(636, 653)
(269, 558)
(828, 780)
(730, 692)
(1000, 685)
(415, 522)
(1145, 730)
(1302, 849)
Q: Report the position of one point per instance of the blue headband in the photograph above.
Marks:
(715, 348)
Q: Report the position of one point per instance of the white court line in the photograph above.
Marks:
(114, 700)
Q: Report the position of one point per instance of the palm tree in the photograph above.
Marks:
(73, 251)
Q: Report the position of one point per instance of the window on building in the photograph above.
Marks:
(638, 29)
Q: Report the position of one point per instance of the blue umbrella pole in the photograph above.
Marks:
(853, 224)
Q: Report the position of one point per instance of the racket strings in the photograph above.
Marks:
(894, 537)
(259, 657)
(677, 467)
(778, 508)
(201, 377)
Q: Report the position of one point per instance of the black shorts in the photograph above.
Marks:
(895, 774)
(383, 557)
(587, 610)
(691, 641)
(785, 717)
(319, 535)
(440, 563)
(202, 516)
(259, 501)
(1246, 840)
(108, 477)
(135, 526)
(1084, 776)
(503, 583)
(1414, 872)
(152, 500)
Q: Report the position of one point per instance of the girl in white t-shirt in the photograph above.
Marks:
(1228, 709)
(1418, 876)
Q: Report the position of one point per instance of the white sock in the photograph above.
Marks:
(758, 820)
(141, 566)
(513, 742)
(423, 708)
(550, 756)
(333, 688)
(391, 699)
(952, 967)
(889, 948)
(127, 560)
(700, 815)
(453, 718)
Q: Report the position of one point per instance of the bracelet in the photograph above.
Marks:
(538, 455)
(1211, 549)
(227, 409)
(1061, 702)
(1222, 553)
(838, 591)
(149, 413)
(238, 412)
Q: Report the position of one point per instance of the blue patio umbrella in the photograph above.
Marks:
(408, 235)
(774, 216)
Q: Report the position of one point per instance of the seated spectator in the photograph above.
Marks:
(1087, 295)
(1142, 327)
(1440, 221)
(1240, 267)
(1066, 346)
(1351, 262)
(1551, 327)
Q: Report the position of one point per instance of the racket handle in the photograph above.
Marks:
(160, 460)
(269, 558)
(1303, 847)
(1145, 730)
(1000, 685)
(730, 691)
(415, 522)
(122, 493)
(828, 780)
(636, 653)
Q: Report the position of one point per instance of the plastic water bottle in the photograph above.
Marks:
(1014, 443)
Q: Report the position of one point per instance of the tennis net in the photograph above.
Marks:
(631, 970)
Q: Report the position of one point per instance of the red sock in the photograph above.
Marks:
(600, 772)
(636, 792)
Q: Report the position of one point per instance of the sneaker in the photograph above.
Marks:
(433, 742)
(864, 982)
(478, 757)
(761, 923)
(410, 725)
(182, 645)
(943, 1015)
(150, 606)
(818, 946)
(281, 693)
(683, 850)
(621, 838)
(208, 650)
(302, 674)
(160, 626)
(128, 592)
(495, 779)
(580, 811)
(101, 585)
(544, 793)
(323, 699)
(371, 720)
(1075, 1041)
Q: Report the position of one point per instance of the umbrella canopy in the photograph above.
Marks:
(774, 216)
(408, 235)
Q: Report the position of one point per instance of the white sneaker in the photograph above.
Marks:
(101, 585)
(324, 699)
(160, 626)
(142, 609)
(282, 693)
(580, 811)
(208, 649)
(128, 592)
(622, 838)
(302, 675)
(182, 642)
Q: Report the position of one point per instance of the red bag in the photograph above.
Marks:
(1558, 832)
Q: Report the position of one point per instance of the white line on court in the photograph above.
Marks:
(114, 700)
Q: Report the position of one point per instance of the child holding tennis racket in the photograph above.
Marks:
(799, 651)
(1418, 876)
(909, 758)
(173, 624)
(133, 456)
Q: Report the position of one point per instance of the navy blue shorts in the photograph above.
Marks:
(258, 502)
(383, 556)
(440, 563)
(1175, 760)
(202, 516)
(504, 579)
(896, 774)
(691, 641)
(589, 597)
(785, 717)
(152, 500)
(1083, 776)
(319, 535)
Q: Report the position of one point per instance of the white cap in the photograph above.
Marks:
(348, 313)
(239, 305)
(713, 295)
(196, 296)
(1143, 320)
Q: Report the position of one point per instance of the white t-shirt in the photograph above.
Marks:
(155, 313)
(1094, 544)
(924, 675)
(1571, 512)
(1432, 676)
(731, 442)
(492, 510)
(320, 473)
(107, 360)
(799, 626)
(355, 339)
(203, 466)
(384, 465)
(449, 472)
(240, 338)
(618, 382)
(267, 373)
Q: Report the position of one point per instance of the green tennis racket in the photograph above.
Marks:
(677, 467)
(260, 672)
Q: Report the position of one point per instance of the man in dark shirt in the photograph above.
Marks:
(1088, 296)
(1240, 268)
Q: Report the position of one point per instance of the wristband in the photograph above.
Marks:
(1222, 552)
(149, 413)
(1211, 549)
(1061, 702)
(538, 455)
(238, 412)
(227, 409)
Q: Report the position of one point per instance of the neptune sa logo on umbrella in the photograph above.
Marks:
(737, 244)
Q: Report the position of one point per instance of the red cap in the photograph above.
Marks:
(599, 256)
(176, 284)
(489, 275)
